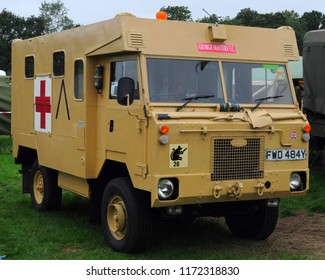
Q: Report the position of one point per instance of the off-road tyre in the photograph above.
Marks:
(126, 216)
(259, 224)
(44, 190)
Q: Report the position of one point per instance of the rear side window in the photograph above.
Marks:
(78, 79)
(29, 67)
(58, 63)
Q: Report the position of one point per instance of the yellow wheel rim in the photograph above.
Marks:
(38, 187)
(117, 218)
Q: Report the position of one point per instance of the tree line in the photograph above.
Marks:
(247, 17)
(53, 17)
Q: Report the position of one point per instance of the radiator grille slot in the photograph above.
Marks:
(233, 162)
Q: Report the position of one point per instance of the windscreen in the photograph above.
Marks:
(252, 82)
(176, 80)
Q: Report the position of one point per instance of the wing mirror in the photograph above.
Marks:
(125, 91)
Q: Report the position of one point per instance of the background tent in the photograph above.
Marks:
(5, 105)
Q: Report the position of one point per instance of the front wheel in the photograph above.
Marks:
(126, 216)
(45, 193)
(258, 224)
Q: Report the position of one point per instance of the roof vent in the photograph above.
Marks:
(135, 40)
(288, 50)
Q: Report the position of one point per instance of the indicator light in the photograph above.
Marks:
(164, 129)
(307, 128)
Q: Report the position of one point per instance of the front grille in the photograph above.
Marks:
(231, 161)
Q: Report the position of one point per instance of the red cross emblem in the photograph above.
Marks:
(42, 104)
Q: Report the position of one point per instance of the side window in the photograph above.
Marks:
(29, 66)
(122, 69)
(78, 79)
(58, 63)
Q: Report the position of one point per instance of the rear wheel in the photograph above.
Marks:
(259, 224)
(126, 216)
(45, 193)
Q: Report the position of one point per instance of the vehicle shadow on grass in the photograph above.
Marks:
(209, 238)
(71, 236)
(204, 238)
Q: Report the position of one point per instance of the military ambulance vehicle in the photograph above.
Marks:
(153, 119)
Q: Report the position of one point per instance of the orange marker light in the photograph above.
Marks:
(161, 15)
(164, 129)
(307, 128)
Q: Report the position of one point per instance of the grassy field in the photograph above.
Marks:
(26, 234)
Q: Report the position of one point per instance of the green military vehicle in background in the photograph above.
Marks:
(5, 104)
(314, 89)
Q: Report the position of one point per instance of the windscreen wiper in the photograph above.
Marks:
(190, 99)
(261, 100)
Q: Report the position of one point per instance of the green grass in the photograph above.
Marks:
(26, 234)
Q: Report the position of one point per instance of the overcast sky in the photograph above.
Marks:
(85, 12)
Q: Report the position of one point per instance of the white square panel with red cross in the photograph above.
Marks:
(42, 103)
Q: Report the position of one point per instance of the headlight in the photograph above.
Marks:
(295, 181)
(165, 188)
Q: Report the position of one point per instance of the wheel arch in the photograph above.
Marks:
(110, 170)
(26, 157)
